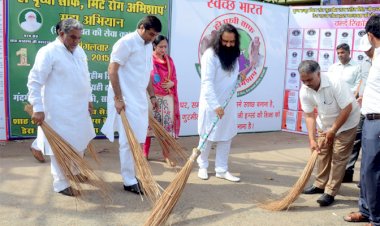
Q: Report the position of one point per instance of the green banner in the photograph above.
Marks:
(32, 25)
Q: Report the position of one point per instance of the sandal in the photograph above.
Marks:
(356, 217)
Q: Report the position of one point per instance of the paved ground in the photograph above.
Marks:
(268, 164)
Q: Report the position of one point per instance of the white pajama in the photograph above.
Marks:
(127, 166)
(221, 159)
(59, 181)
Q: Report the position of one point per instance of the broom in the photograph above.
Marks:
(172, 148)
(164, 206)
(143, 170)
(94, 155)
(69, 160)
(296, 190)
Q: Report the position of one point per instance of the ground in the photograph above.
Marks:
(268, 164)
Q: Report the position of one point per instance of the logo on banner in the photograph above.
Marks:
(252, 46)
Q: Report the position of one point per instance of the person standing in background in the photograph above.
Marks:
(347, 70)
(164, 81)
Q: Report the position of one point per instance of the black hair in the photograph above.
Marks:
(373, 26)
(158, 39)
(227, 61)
(343, 46)
(150, 22)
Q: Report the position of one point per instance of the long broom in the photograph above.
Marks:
(143, 171)
(296, 190)
(69, 160)
(173, 149)
(164, 206)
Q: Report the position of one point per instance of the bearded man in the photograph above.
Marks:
(219, 75)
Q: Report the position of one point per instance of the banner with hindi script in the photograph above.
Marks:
(314, 33)
(262, 28)
(104, 23)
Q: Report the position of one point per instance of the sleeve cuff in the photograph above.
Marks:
(38, 108)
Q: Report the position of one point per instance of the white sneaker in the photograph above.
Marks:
(202, 173)
(228, 176)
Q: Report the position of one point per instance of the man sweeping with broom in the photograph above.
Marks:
(338, 117)
(219, 76)
(129, 74)
(60, 93)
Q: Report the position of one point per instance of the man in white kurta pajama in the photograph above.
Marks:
(129, 72)
(216, 86)
(60, 92)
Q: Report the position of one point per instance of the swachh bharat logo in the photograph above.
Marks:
(252, 46)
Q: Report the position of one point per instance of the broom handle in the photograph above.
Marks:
(216, 120)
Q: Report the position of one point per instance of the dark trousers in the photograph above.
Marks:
(369, 201)
(356, 150)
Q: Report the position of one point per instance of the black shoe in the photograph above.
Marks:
(69, 191)
(325, 200)
(134, 189)
(348, 177)
(313, 190)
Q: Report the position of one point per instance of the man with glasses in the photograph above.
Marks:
(338, 117)
(129, 74)
(60, 93)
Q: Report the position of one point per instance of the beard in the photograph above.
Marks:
(228, 56)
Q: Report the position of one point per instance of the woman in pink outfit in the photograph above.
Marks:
(164, 81)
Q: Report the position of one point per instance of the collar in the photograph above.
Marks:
(324, 82)
(138, 38)
(350, 62)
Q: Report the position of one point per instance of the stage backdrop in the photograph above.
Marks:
(194, 22)
(314, 32)
(104, 23)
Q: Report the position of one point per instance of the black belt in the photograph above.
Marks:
(373, 116)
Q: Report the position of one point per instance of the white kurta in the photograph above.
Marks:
(59, 85)
(216, 87)
(135, 60)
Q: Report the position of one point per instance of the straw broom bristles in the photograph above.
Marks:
(170, 145)
(91, 150)
(164, 206)
(296, 190)
(69, 160)
(143, 171)
(169, 198)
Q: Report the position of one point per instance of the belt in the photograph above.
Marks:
(373, 116)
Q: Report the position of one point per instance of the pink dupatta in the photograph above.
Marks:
(161, 72)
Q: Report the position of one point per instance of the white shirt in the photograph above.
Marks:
(346, 72)
(135, 60)
(371, 95)
(216, 87)
(331, 97)
(364, 71)
(59, 85)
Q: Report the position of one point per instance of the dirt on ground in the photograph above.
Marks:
(268, 164)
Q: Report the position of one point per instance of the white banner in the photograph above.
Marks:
(314, 32)
(261, 26)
